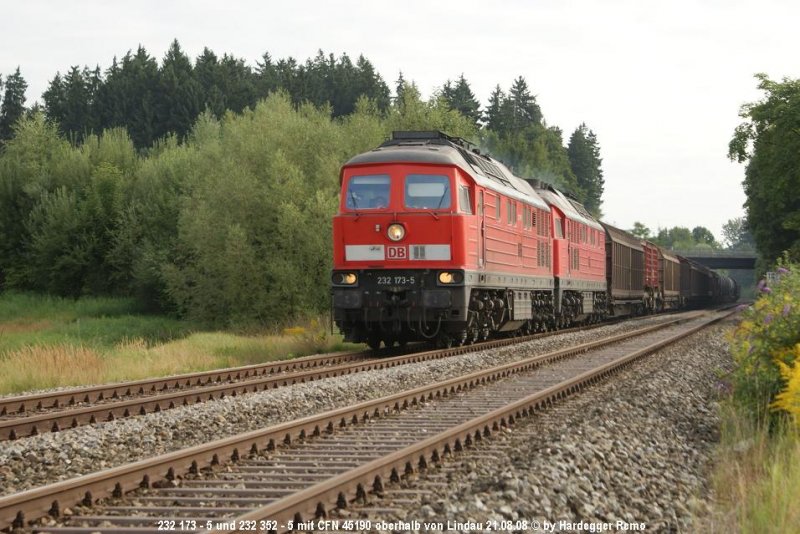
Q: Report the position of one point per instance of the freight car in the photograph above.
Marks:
(625, 272)
(434, 240)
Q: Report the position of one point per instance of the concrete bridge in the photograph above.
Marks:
(739, 265)
(720, 259)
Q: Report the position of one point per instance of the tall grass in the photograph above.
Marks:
(757, 476)
(42, 366)
(48, 342)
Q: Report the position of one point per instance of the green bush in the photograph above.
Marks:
(231, 227)
(766, 340)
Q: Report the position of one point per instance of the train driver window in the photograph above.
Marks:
(464, 199)
(368, 192)
(558, 229)
(427, 191)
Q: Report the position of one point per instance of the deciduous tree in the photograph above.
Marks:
(640, 230)
(736, 234)
(768, 142)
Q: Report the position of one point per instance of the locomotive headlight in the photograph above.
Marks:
(447, 277)
(395, 232)
(345, 279)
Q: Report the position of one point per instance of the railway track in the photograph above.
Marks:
(299, 470)
(29, 415)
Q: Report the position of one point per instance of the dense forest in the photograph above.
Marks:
(203, 187)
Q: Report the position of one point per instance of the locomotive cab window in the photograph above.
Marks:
(370, 192)
(427, 191)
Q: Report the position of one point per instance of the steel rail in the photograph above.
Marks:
(73, 396)
(314, 502)
(234, 382)
(17, 509)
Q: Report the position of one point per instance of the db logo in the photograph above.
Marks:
(396, 253)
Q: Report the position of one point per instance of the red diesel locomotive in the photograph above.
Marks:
(436, 241)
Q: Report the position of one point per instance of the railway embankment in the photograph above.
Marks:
(638, 450)
(701, 437)
(661, 446)
(757, 473)
(46, 458)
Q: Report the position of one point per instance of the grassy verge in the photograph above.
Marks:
(756, 478)
(48, 342)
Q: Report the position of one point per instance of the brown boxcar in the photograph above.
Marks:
(624, 271)
(696, 283)
(670, 277)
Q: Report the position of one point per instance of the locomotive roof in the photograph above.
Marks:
(573, 210)
(439, 149)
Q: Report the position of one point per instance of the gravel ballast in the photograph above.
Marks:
(38, 460)
(632, 453)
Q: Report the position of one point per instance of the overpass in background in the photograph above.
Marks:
(720, 259)
(740, 265)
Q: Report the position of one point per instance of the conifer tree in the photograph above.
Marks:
(523, 110)
(13, 105)
(129, 95)
(585, 161)
(237, 83)
(493, 116)
(179, 96)
(459, 96)
(71, 102)
(400, 87)
(207, 74)
(371, 84)
(266, 76)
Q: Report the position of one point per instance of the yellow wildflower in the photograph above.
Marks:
(789, 399)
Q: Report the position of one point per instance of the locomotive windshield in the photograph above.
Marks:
(369, 192)
(427, 191)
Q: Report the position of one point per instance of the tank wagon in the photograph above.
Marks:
(434, 240)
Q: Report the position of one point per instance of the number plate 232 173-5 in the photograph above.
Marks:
(396, 280)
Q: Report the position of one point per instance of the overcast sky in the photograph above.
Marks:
(660, 83)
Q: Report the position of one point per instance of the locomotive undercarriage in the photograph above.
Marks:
(582, 307)
(398, 317)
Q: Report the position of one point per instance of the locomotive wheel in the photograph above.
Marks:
(444, 341)
(476, 334)
(461, 338)
(374, 342)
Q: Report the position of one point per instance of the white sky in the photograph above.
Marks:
(660, 83)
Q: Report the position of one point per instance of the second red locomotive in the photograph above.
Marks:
(436, 241)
